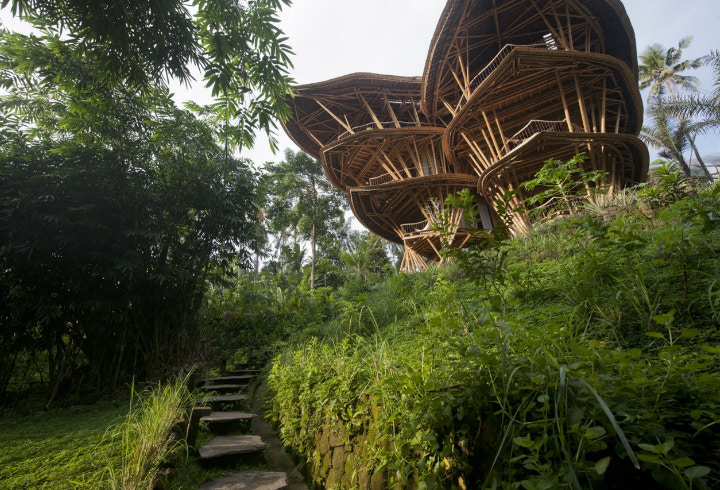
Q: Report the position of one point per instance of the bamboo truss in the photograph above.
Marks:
(507, 85)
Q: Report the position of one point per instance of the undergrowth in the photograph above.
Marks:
(60, 449)
(583, 356)
(146, 438)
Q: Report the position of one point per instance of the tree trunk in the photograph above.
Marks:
(312, 257)
(699, 158)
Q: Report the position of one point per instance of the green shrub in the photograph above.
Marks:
(593, 366)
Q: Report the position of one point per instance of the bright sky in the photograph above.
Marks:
(335, 37)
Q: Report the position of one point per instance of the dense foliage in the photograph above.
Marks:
(114, 205)
(583, 355)
(237, 47)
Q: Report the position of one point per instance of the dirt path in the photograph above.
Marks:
(277, 458)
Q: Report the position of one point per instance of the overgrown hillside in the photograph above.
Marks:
(582, 356)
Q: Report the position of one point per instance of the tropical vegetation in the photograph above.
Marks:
(136, 243)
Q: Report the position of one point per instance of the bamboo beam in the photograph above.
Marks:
(369, 109)
(603, 108)
(497, 25)
(405, 166)
(320, 143)
(476, 149)
(557, 37)
(417, 158)
(569, 27)
(415, 112)
(490, 146)
(502, 135)
(449, 108)
(581, 103)
(390, 167)
(564, 102)
(466, 76)
(390, 110)
(340, 121)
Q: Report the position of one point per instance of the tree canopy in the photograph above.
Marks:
(115, 208)
(239, 50)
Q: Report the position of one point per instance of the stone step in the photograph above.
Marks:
(228, 451)
(250, 365)
(216, 401)
(224, 388)
(237, 379)
(244, 372)
(248, 480)
(226, 422)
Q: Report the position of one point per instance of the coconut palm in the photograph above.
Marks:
(666, 133)
(704, 106)
(662, 72)
(662, 69)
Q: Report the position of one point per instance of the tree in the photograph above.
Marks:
(237, 46)
(661, 70)
(705, 106)
(368, 258)
(560, 183)
(115, 206)
(667, 133)
(300, 196)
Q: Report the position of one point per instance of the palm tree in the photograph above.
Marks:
(661, 71)
(668, 134)
(705, 106)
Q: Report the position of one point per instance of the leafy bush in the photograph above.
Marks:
(588, 358)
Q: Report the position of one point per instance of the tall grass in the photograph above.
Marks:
(146, 434)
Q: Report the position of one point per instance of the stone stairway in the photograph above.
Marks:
(232, 445)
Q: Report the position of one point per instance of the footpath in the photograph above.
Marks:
(242, 437)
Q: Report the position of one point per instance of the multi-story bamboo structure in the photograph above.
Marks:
(507, 85)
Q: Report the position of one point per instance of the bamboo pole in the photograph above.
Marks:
(581, 103)
(603, 108)
(490, 146)
(369, 109)
(340, 121)
(564, 102)
(390, 110)
(502, 135)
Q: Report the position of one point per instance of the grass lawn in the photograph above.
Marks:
(66, 448)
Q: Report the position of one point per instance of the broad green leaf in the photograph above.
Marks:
(664, 319)
(711, 349)
(595, 432)
(696, 472)
(602, 465)
(682, 462)
(689, 333)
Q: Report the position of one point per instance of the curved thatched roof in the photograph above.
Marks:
(485, 17)
(311, 127)
(382, 209)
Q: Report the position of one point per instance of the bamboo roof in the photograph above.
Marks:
(383, 209)
(477, 30)
(314, 105)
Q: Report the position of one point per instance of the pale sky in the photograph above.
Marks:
(331, 38)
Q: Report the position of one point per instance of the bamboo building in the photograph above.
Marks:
(507, 85)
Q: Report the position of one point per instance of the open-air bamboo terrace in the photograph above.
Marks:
(507, 85)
